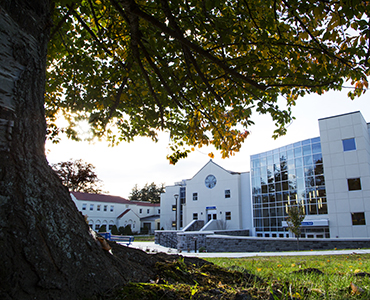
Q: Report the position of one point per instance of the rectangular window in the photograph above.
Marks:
(173, 224)
(227, 194)
(98, 207)
(147, 211)
(91, 206)
(111, 208)
(195, 196)
(159, 211)
(195, 216)
(349, 144)
(97, 226)
(105, 207)
(354, 184)
(358, 218)
(140, 211)
(228, 215)
(84, 206)
(182, 195)
(173, 207)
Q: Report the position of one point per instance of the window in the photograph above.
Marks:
(195, 196)
(195, 216)
(228, 215)
(173, 224)
(140, 211)
(173, 207)
(98, 207)
(227, 194)
(354, 184)
(91, 206)
(111, 208)
(159, 211)
(84, 206)
(358, 218)
(97, 226)
(105, 207)
(349, 144)
(147, 211)
(182, 195)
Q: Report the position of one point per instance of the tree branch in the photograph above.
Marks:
(61, 22)
(133, 9)
(158, 72)
(321, 46)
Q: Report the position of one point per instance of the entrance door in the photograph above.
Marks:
(212, 216)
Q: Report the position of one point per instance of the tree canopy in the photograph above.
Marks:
(199, 69)
(78, 176)
(150, 192)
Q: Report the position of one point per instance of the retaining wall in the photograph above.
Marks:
(166, 238)
(220, 243)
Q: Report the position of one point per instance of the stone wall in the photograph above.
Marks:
(218, 243)
(192, 240)
(238, 232)
(166, 238)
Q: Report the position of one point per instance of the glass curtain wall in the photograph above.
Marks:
(288, 176)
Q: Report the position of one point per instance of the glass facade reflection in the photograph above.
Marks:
(288, 176)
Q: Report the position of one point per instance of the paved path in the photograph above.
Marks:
(150, 247)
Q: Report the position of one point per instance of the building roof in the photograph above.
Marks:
(101, 198)
(110, 199)
(212, 162)
(145, 203)
(149, 218)
(125, 212)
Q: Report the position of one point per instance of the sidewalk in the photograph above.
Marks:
(150, 247)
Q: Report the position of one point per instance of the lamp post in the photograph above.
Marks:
(177, 210)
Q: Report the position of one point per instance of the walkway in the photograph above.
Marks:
(150, 247)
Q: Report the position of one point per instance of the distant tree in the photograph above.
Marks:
(295, 217)
(78, 176)
(150, 192)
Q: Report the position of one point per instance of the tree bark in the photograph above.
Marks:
(46, 248)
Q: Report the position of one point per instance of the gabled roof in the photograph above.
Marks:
(101, 198)
(212, 162)
(125, 212)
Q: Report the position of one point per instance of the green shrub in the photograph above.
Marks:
(103, 228)
(114, 230)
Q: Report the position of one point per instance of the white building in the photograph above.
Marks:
(329, 176)
(113, 210)
(212, 194)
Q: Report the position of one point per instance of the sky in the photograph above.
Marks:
(144, 161)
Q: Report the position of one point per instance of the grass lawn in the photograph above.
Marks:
(144, 238)
(309, 277)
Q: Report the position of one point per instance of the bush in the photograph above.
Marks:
(125, 230)
(144, 230)
(103, 228)
(114, 230)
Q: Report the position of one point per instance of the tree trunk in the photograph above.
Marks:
(46, 248)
